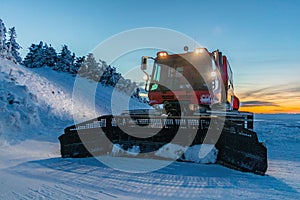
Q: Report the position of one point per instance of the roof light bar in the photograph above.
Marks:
(199, 50)
(162, 54)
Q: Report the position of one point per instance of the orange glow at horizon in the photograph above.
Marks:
(286, 103)
(270, 109)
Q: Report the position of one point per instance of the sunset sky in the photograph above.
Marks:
(260, 38)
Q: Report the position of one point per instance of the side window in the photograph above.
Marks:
(155, 78)
(156, 75)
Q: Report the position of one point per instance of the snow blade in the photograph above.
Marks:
(238, 147)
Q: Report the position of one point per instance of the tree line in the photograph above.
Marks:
(44, 55)
(9, 48)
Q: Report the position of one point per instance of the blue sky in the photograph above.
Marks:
(260, 38)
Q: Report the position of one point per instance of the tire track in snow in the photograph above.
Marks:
(179, 180)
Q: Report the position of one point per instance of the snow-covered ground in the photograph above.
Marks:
(42, 105)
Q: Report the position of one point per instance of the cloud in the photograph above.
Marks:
(263, 91)
(274, 92)
(257, 103)
(293, 90)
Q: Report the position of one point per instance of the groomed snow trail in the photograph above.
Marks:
(56, 178)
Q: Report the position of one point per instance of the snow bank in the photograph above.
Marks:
(25, 112)
(118, 150)
(21, 113)
(47, 92)
(172, 151)
(204, 153)
(17, 105)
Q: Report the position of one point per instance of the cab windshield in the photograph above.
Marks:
(176, 76)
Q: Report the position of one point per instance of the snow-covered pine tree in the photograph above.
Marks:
(136, 93)
(77, 65)
(110, 76)
(3, 48)
(121, 83)
(28, 60)
(12, 45)
(72, 68)
(50, 56)
(35, 56)
(40, 59)
(102, 65)
(114, 77)
(105, 76)
(93, 70)
(82, 71)
(64, 60)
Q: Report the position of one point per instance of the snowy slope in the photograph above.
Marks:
(31, 168)
(24, 114)
(44, 102)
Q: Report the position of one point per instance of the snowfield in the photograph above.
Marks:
(36, 105)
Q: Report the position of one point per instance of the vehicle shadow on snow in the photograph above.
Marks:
(190, 180)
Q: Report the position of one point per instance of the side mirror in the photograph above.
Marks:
(144, 63)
